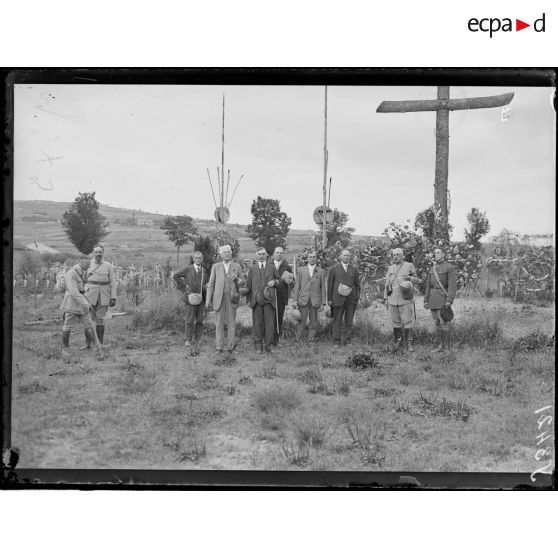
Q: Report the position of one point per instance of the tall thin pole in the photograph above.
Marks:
(223, 156)
(324, 237)
(441, 173)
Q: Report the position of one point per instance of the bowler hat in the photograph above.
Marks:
(297, 315)
(268, 294)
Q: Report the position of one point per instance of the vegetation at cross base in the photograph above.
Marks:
(221, 238)
(207, 247)
(270, 225)
(479, 226)
(180, 230)
(83, 223)
(152, 405)
(337, 231)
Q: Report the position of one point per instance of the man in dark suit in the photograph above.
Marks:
(309, 294)
(343, 292)
(192, 280)
(261, 296)
(285, 274)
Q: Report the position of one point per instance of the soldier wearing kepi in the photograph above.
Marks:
(398, 296)
(439, 296)
(192, 281)
(76, 307)
(100, 289)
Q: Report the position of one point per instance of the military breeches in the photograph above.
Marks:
(402, 316)
(73, 321)
(98, 312)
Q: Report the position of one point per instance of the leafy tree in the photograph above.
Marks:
(270, 225)
(222, 237)
(207, 246)
(180, 231)
(478, 227)
(425, 224)
(83, 224)
(337, 230)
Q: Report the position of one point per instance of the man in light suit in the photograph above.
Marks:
(343, 292)
(223, 296)
(100, 290)
(284, 273)
(309, 294)
(193, 279)
(261, 297)
(398, 297)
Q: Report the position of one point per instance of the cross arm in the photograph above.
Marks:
(449, 104)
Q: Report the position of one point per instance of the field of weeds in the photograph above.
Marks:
(315, 406)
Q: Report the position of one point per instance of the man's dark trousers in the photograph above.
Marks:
(347, 310)
(194, 321)
(263, 319)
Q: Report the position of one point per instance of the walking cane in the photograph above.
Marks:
(277, 314)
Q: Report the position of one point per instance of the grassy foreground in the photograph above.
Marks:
(309, 406)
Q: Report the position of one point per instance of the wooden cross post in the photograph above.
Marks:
(442, 105)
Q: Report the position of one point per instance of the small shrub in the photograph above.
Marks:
(311, 376)
(268, 370)
(208, 380)
(277, 397)
(535, 341)
(343, 384)
(188, 445)
(320, 388)
(362, 361)
(311, 430)
(225, 359)
(230, 390)
(401, 406)
(299, 455)
(457, 410)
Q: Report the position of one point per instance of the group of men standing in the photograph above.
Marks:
(266, 288)
(91, 290)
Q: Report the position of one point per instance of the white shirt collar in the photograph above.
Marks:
(277, 264)
(345, 266)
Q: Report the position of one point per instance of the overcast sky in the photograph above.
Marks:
(148, 146)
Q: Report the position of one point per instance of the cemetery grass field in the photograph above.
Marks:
(309, 406)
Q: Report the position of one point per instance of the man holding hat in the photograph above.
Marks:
(261, 296)
(286, 278)
(439, 295)
(76, 307)
(343, 292)
(398, 296)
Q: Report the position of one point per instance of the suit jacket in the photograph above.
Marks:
(282, 288)
(396, 274)
(101, 283)
(337, 275)
(74, 299)
(310, 288)
(188, 281)
(434, 295)
(219, 281)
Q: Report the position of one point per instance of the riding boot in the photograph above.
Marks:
(397, 337)
(65, 339)
(87, 345)
(100, 333)
(98, 349)
(409, 339)
(441, 340)
(446, 339)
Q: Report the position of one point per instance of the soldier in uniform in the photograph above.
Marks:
(76, 307)
(398, 296)
(100, 290)
(439, 295)
(192, 280)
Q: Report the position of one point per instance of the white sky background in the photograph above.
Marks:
(147, 147)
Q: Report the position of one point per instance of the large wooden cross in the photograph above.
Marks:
(442, 105)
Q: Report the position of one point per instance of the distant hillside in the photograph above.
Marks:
(39, 221)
